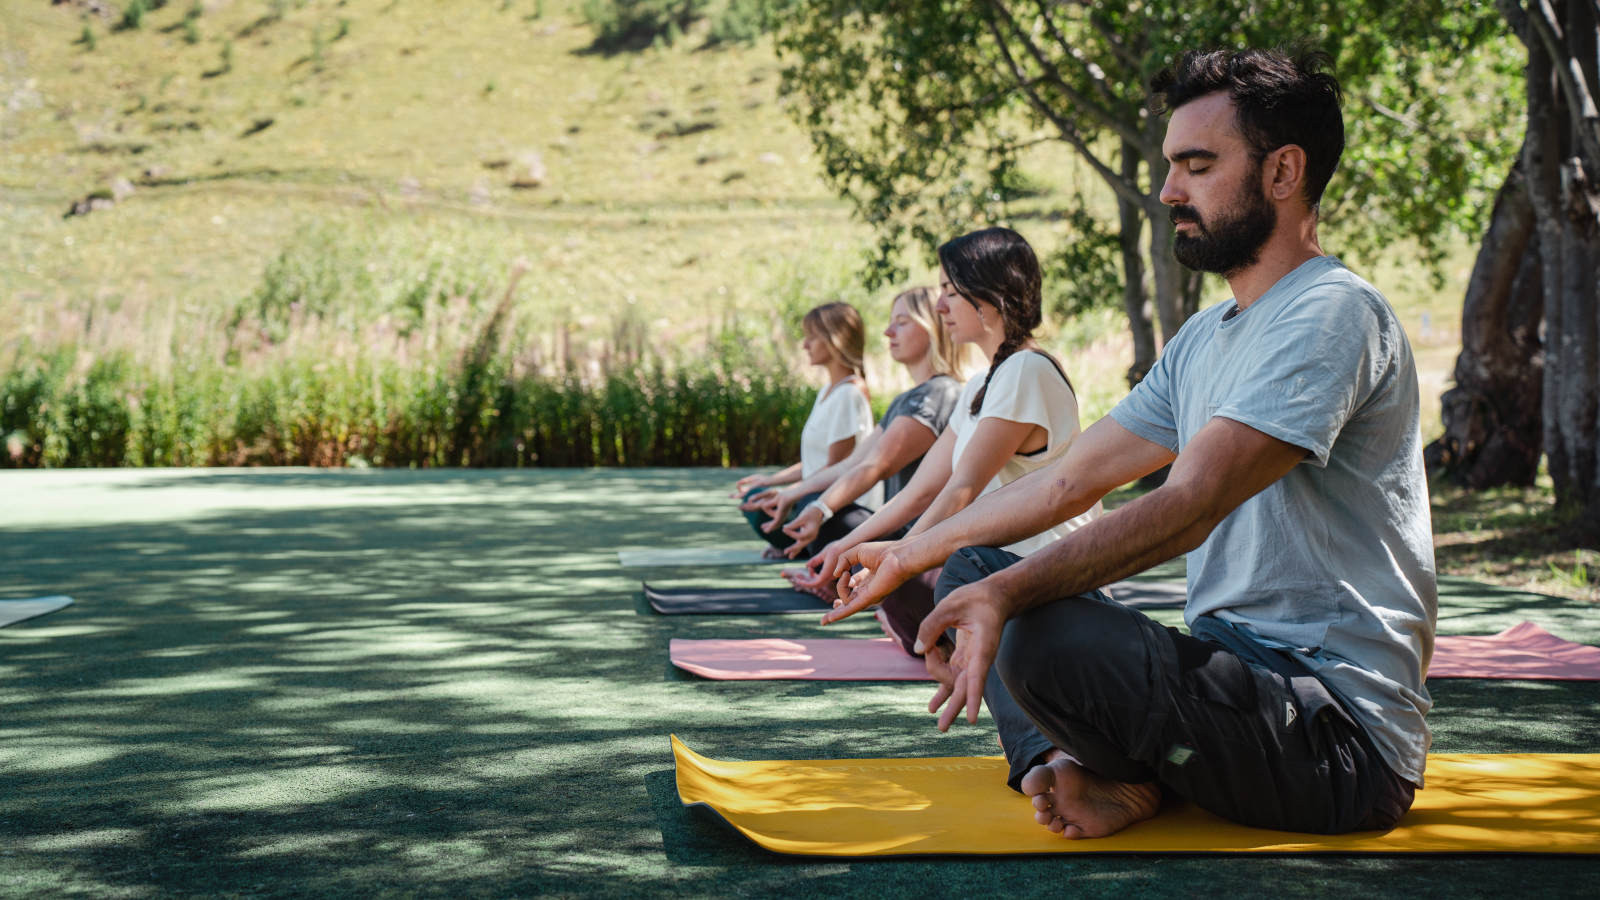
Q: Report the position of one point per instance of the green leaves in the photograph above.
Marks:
(919, 109)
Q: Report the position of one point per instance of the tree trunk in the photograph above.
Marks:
(1167, 273)
(1169, 277)
(1569, 248)
(1193, 284)
(1135, 298)
(1492, 422)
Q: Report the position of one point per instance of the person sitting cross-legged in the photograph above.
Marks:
(1290, 417)
(888, 458)
(840, 420)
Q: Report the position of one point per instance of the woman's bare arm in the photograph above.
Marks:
(993, 444)
(906, 440)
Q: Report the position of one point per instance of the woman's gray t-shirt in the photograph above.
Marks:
(930, 403)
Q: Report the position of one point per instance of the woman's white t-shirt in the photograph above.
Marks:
(841, 411)
(1026, 388)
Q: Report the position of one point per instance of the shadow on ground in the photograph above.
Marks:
(438, 684)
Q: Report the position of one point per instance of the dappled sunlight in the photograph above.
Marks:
(280, 787)
(47, 754)
(339, 694)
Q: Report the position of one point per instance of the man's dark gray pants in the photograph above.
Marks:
(1135, 702)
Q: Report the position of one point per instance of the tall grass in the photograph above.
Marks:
(393, 347)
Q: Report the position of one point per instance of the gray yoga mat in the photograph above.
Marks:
(696, 556)
(732, 601)
(14, 611)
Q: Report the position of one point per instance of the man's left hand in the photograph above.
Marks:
(978, 613)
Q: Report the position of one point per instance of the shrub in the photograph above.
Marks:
(393, 346)
(634, 24)
(133, 14)
(714, 413)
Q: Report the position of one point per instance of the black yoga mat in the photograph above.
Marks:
(732, 601)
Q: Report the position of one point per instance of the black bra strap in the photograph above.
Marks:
(1059, 371)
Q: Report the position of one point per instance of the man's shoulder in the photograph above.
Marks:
(1333, 288)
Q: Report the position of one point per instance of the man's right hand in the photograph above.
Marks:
(881, 572)
(746, 483)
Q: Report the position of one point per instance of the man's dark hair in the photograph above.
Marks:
(1281, 96)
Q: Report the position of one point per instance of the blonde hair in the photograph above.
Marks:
(945, 356)
(840, 327)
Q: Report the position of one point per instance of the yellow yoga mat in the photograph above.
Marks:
(1474, 803)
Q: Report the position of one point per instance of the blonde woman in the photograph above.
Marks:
(840, 419)
(1018, 416)
(914, 420)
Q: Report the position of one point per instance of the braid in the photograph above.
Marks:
(1001, 354)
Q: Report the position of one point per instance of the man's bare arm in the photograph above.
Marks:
(1225, 464)
(1102, 458)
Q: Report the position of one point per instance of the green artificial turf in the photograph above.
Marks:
(287, 683)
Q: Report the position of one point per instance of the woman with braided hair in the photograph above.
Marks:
(1014, 418)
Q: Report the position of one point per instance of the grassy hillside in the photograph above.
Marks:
(672, 180)
(673, 194)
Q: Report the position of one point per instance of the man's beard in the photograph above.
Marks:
(1233, 242)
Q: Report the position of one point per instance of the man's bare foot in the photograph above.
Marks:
(1076, 803)
(772, 553)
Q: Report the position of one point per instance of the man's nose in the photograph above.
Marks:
(1171, 193)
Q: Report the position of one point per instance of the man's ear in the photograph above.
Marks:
(1285, 171)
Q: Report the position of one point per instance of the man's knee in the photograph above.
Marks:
(1060, 642)
(969, 565)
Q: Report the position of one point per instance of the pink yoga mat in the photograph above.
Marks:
(1524, 651)
(821, 659)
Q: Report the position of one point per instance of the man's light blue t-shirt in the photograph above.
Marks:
(1334, 560)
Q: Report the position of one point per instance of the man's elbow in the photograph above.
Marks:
(1197, 509)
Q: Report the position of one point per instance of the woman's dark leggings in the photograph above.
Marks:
(843, 522)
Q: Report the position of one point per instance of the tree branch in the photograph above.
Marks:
(1409, 122)
(1068, 131)
(1106, 116)
(1569, 73)
(1096, 74)
(1118, 48)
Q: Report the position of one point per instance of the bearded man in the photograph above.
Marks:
(1290, 416)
